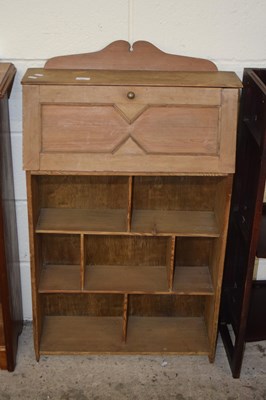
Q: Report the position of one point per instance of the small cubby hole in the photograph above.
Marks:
(193, 265)
(127, 263)
(167, 323)
(177, 204)
(81, 203)
(84, 322)
(59, 262)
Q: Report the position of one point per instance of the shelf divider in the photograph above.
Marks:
(125, 317)
(82, 261)
(170, 260)
(129, 205)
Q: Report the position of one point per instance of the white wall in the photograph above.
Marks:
(232, 33)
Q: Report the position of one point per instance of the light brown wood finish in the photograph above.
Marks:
(129, 206)
(170, 261)
(139, 131)
(91, 335)
(130, 171)
(82, 261)
(125, 317)
(35, 261)
(121, 55)
(222, 209)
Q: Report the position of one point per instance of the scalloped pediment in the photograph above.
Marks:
(120, 55)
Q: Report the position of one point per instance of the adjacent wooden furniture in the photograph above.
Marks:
(243, 300)
(129, 180)
(10, 292)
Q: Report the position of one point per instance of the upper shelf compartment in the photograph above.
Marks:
(146, 205)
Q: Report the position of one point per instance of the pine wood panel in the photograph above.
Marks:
(90, 335)
(126, 164)
(78, 335)
(94, 192)
(125, 317)
(170, 260)
(167, 335)
(100, 129)
(64, 220)
(136, 128)
(192, 280)
(125, 279)
(60, 278)
(82, 304)
(60, 249)
(222, 208)
(129, 204)
(35, 261)
(123, 55)
(117, 96)
(31, 127)
(92, 129)
(129, 279)
(194, 251)
(175, 192)
(136, 251)
(131, 78)
(171, 305)
(148, 222)
(180, 223)
(82, 261)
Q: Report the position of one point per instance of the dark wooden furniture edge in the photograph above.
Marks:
(10, 290)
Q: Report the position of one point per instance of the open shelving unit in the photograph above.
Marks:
(128, 206)
(148, 271)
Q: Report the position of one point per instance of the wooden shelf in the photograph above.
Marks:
(162, 335)
(60, 278)
(126, 279)
(79, 334)
(65, 220)
(193, 280)
(179, 223)
(103, 335)
(147, 222)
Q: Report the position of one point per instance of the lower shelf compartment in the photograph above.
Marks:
(103, 335)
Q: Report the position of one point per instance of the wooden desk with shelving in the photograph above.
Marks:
(129, 177)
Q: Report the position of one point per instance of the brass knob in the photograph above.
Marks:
(131, 95)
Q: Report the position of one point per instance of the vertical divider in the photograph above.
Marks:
(82, 261)
(170, 261)
(125, 317)
(129, 203)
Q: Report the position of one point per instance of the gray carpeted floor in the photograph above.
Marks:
(135, 377)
